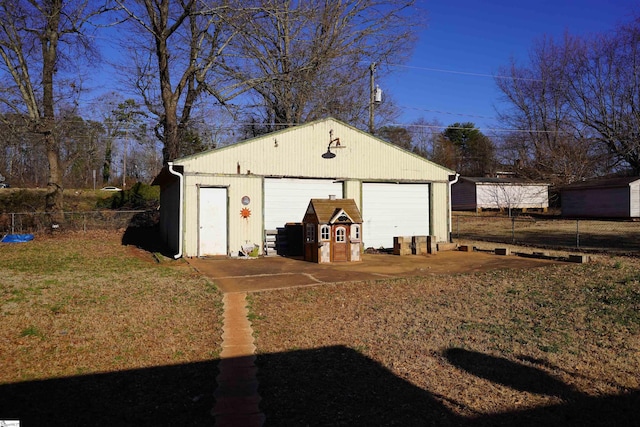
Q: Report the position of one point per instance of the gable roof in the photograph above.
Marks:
(610, 182)
(295, 128)
(325, 210)
(299, 151)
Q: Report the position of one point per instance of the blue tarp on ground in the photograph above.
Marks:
(17, 238)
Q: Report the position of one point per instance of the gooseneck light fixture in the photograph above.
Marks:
(336, 144)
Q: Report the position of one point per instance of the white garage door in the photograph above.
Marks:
(390, 210)
(286, 199)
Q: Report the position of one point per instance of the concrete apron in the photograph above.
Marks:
(270, 273)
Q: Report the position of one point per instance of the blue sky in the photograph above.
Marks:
(471, 39)
(449, 77)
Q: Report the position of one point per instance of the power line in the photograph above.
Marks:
(465, 73)
(483, 129)
(242, 125)
(478, 116)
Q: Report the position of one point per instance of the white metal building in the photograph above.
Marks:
(477, 193)
(223, 200)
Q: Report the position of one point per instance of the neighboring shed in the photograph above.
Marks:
(223, 200)
(333, 231)
(473, 193)
(617, 197)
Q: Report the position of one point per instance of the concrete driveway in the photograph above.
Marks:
(268, 273)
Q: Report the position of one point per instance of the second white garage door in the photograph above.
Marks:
(286, 199)
(390, 209)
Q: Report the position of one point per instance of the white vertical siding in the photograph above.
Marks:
(516, 196)
(440, 211)
(634, 202)
(353, 190)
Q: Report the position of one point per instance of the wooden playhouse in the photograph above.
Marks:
(332, 231)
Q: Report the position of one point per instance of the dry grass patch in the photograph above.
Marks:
(545, 345)
(621, 237)
(84, 304)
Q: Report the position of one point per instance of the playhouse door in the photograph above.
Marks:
(340, 244)
(311, 252)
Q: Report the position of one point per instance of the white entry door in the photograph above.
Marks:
(212, 221)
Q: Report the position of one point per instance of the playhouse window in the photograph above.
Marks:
(311, 233)
(341, 234)
(355, 232)
(325, 232)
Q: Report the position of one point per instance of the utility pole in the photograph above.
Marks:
(124, 159)
(372, 89)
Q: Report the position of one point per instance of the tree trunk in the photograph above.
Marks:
(54, 198)
(106, 165)
(49, 43)
(171, 135)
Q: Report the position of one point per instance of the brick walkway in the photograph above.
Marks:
(237, 397)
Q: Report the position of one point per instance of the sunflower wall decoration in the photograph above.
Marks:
(245, 213)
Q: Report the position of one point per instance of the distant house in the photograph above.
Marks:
(617, 197)
(478, 193)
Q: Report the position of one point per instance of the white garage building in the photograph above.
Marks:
(223, 200)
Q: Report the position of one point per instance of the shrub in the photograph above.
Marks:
(21, 200)
(139, 196)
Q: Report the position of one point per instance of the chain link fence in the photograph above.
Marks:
(586, 235)
(37, 222)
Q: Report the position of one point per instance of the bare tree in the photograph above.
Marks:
(549, 143)
(35, 38)
(424, 134)
(306, 60)
(575, 106)
(397, 135)
(180, 43)
(81, 147)
(604, 90)
(23, 160)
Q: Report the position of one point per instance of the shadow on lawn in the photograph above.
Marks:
(578, 410)
(143, 232)
(339, 386)
(325, 386)
(180, 395)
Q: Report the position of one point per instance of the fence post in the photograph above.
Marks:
(513, 229)
(13, 223)
(577, 233)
